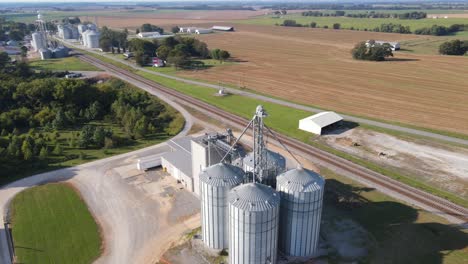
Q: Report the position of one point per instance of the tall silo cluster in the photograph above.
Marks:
(254, 216)
(253, 224)
(215, 183)
(301, 193)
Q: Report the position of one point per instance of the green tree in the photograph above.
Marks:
(24, 51)
(175, 29)
(99, 136)
(163, 52)
(224, 55)
(371, 51)
(86, 136)
(141, 127)
(454, 47)
(313, 24)
(43, 153)
(58, 150)
(27, 150)
(336, 26)
(4, 60)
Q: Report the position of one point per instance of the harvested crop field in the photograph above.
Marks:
(314, 66)
(177, 17)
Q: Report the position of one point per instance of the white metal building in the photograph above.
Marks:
(316, 123)
(203, 31)
(223, 28)
(178, 162)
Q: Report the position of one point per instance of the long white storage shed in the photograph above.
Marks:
(316, 123)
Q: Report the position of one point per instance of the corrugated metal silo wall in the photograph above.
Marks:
(301, 214)
(214, 212)
(253, 236)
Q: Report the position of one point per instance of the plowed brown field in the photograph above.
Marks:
(314, 66)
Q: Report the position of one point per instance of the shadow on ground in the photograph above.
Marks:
(399, 237)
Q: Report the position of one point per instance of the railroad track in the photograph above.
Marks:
(439, 204)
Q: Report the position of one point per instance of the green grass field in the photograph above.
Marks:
(356, 23)
(62, 64)
(399, 232)
(52, 224)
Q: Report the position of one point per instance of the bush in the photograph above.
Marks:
(454, 47)
(371, 51)
(336, 26)
(290, 23)
(313, 24)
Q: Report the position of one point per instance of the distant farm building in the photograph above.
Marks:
(203, 31)
(223, 28)
(149, 34)
(393, 45)
(320, 122)
(188, 30)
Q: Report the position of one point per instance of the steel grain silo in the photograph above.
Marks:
(275, 164)
(92, 39)
(215, 183)
(253, 224)
(301, 194)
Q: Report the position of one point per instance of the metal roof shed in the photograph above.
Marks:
(316, 123)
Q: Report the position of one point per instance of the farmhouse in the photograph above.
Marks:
(223, 28)
(318, 123)
(394, 45)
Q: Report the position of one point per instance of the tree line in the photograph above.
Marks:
(435, 30)
(372, 14)
(113, 41)
(37, 110)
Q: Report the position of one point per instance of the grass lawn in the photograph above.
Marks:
(430, 45)
(52, 224)
(357, 23)
(402, 233)
(63, 64)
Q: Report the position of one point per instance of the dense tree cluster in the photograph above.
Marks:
(393, 28)
(113, 41)
(151, 28)
(337, 13)
(454, 47)
(436, 30)
(36, 109)
(389, 28)
(17, 30)
(71, 20)
(371, 51)
(373, 14)
(177, 51)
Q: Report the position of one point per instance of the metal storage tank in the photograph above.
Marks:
(45, 54)
(82, 28)
(276, 164)
(92, 40)
(39, 41)
(253, 224)
(301, 194)
(215, 183)
(84, 38)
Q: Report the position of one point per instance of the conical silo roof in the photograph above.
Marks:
(222, 174)
(254, 197)
(300, 180)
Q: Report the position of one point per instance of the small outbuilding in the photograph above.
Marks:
(318, 123)
(223, 28)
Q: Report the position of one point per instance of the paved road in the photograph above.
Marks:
(294, 105)
(127, 217)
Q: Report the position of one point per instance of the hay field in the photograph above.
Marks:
(314, 66)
